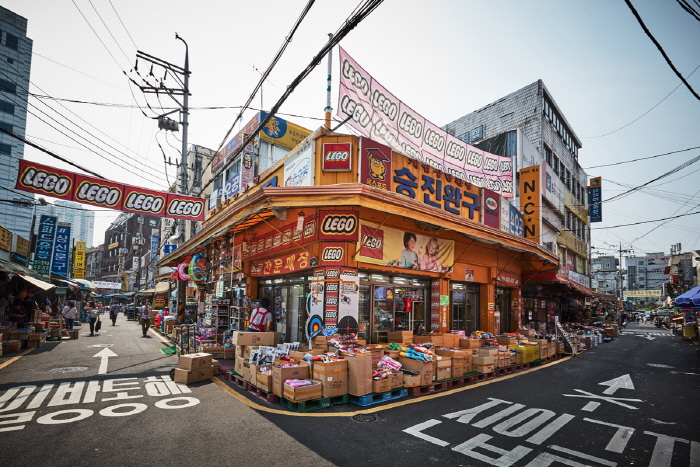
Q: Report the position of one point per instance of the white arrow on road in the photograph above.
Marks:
(623, 382)
(104, 354)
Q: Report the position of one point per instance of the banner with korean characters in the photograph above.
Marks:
(378, 114)
(5, 239)
(281, 239)
(42, 179)
(286, 264)
(79, 260)
(391, 247)
(61, 247)
(44, 244)
(595, 198)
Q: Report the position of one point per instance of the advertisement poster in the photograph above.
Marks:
(299, 170)
(375, 164)
(391, 247)
(59, 263)
(5, 239)
(314, 304)
(348, 306)
(492, 209)
(44, 244)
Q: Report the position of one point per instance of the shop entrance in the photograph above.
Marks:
(465, 307)
(391, 303)
(503, 312)
(288, 299)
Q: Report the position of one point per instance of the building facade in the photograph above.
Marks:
(15, 66)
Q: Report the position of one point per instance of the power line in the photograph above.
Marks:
(108, 30)
(658, 46)
(689, 8)
(97, 35)
(123, 25)
(646, 222)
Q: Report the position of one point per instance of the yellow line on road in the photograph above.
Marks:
(256, 406)
(15, 358)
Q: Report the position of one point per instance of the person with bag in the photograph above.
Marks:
(70, 313)
(145, 311)
(114, 312)
(92, 317)
(261, 318)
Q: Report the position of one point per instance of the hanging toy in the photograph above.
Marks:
(197, 268)
(182, 271)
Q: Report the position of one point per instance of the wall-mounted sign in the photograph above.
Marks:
(507, 279)
(338, 225)
(79, 260)
(59, 263)
(337, 157)
(42, 179)
(44, 243)
(5, 239)
(530, 202)
(492, 208)
(332, 254)
(595, 195)
(283, 265)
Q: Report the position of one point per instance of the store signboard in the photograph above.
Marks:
(505, 214)
(42, 179)
(517, 227)
(5, 239)
(79, 260)
(44, 243)
(595, 198)
(530, 202)
(376, 113)
(392, 247)
(507, 279)
(107, 285)
(286, 264)
(155, 244)
(579, 278)
(492, 208)
(332, 254)
(375, 164)
(281, 239)
(641, 293)
(338, 225)
(299, 168)
(59, 262)
(21, 246)
(337, 157)
(166, 225)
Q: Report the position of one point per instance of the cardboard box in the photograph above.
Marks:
(377, 355)
(195, 361)
(506, 340)
(250, 371)
(397, 379)
(333, 377)
(424, 369)
(381, 385)
(395, 354)
(359, 374)
(320, 342)
(299, 354)
(484, 360)
(304, 393)
(450, 340)
(485, 368)
(12, 345)
(74, 334)
(488, 352)
(262, 381)
(400, 337)
(561, 348)
(527, 332)
(470, 343)
(436, 339)
(412, 381)
(280, 375)
(193, 376)
(255, 338)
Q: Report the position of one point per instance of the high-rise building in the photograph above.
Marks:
(82, 220)
(15, 64)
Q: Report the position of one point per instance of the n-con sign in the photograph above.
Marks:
(530, 201)
(339, 225)
(58, 183)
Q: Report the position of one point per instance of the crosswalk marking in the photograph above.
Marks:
(647, 333)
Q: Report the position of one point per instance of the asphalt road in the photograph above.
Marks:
(633, 401)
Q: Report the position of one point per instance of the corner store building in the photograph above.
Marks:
(341, 221)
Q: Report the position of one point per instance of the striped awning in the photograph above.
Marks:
(43, 285)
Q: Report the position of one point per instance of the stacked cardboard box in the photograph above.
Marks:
(193, 368)
(459, 358)
(470, 343)
(303, 393)
(255, 338)
(400, 337)
(424, 369)
(263, 381)
(359, 374)
(442, 369)
(333, 376)
(280, 375)
(484, 364)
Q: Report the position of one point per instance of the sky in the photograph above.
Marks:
(444, 58)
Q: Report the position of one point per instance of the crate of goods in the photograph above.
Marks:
(263, 380)
(442, 368)
(193, 376)
(11, 345)
(470, 343)
(396, 379)
(506, 340)
(458, 361)
(74, 334)
(423, 369)
(381, 385)
(484, 364)
(333, 376)
(320, 343)
(412, 381)
(450, 340)
(359, 374)
(400, 337)
(527, 332)
(255, 338)
(282, 374)
(295, 393)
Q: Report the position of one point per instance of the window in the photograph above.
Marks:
(548, 155)
(8, 86)
(152, 222)
(5, 149)
(12, 41)
(7, 107)
(567, 180)
(562, 170)
(6, 126)
(555, 164)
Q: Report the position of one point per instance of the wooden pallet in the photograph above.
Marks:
(379, 397)
(314, 404)
(260, 394)
(430, 388)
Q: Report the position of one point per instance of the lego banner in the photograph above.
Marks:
(376, 113)
(59, 263)
(391, 247)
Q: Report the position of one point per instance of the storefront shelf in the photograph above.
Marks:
(314, 404)
(377, 398)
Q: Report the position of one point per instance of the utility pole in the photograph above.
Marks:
(622, 282)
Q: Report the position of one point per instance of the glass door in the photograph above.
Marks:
(296, 312)
(363, 317)
(465, 307)
(502, 316)
(383, 314)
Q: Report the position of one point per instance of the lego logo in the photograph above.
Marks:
(331, 301)
(144, 202)
(181, 207)
(373, 243)
(332, 287)
(45, 181)
(332, 254)
(332, 273)
(339, 224)
(98, 194)
(337, 156)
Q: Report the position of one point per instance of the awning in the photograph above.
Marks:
(553, 276)
(162, 287)
(146, 292)
(66, 281)
(9, 266)
(43, 285)
(85, 284)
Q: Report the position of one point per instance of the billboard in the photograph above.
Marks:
(44, 243)
(530, 202)
(61, 249)
(595, 199)
(42, 179)
(376, 113)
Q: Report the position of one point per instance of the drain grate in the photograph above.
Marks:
(364, 418)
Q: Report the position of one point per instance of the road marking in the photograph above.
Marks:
(614, 400)
(583, 456)
(622, 382)
(620, 438)
(104, 354)
(15, 358)
(417, 431)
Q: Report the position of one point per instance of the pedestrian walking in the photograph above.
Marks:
(114, 312)
(70, 313)
(145, 311)
(92, 317)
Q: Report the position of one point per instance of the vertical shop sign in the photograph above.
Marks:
(595, 198)
(44, 244)
(59, 263)
(337, 157)
(314, 304)
(435, 308)
(330, 315)
(79, 261)
(155, 244)
(5, 239)
(492, 208)
(348, 306)
(530, 202)
(166, 224)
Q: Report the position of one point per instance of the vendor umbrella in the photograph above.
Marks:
(690, 298)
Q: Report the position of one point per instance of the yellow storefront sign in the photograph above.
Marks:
(5, 239)
(573, 243)
(531, 201)
(79, 261)
(641, 293)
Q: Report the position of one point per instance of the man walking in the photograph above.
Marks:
(114, 312)
(145, 311)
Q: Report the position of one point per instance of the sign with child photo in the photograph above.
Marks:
(392, 247)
